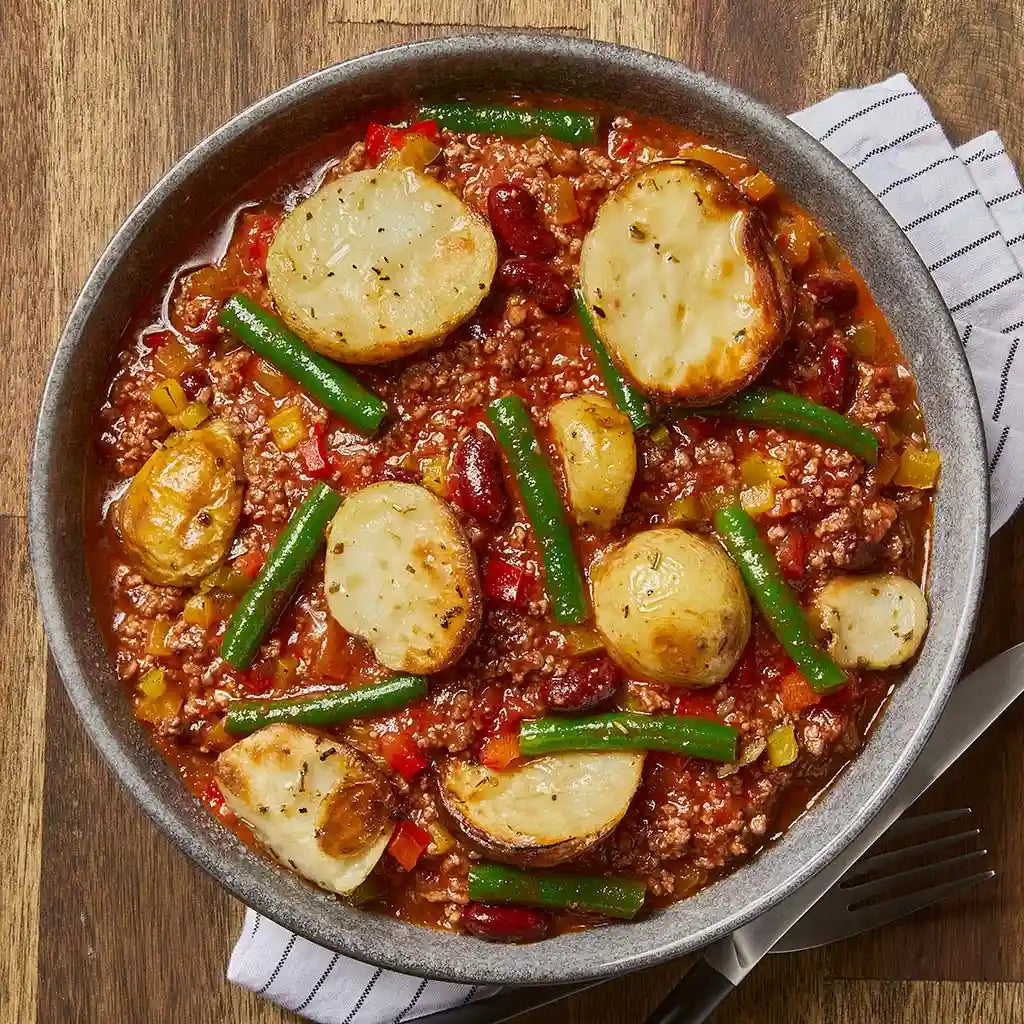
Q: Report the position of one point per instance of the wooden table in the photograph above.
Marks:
(101, 920)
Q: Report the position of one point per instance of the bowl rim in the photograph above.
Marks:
(396, 945)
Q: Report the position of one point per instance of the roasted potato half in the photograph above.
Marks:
(672, 607)
(873, 621)
(180, 511)
(379, 264)
(598, 453)
(401, 574)
(548, 810)
(320, 806)
(684, 283)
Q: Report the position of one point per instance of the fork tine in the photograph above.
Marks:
(877, 914)
(893, 858)
(879, 886)
(905, 828)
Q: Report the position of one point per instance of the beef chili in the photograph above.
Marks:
(509, 517)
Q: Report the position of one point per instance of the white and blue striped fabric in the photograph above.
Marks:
(963, 209)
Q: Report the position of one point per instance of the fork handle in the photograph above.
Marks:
(694, 998)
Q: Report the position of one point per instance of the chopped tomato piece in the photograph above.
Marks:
(796, 693)
(504, 581)
(259, 233)
(381, 138)
(621, 145)
(249, 564)
(407, 844)
(792, 555)
(498, 752)
(258, 679)
(402, 754)
(314, 457)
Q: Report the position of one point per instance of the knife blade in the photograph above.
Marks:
(975, 703)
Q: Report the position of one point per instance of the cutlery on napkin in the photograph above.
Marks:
(963, 210)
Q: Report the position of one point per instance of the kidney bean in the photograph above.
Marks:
(832, 293)
(538, 280)
(193, 381)
(836, 376)
(505, 924)
(586, 685)
(477, 482)
(515, 218)
(401, 474)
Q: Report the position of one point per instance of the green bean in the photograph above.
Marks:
(775, 408)
(627, 730)
(246, 716)
(627, 397)
(596, 894)
(272, 589)
(324, 379)
(563, 579)
(778, 603)
(567, 125)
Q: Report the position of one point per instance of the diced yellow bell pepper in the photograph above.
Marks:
(782, 746)
(863, 341)
(660, 437)
(202, 610)
(153, 683)
(155, 710)
(441, 840)
(415, 152)
(156, 644)
(757, 500)
(226, 578)
(918, 469)
(689, 510)
(288, 428)
(888, 464)
(582, 639)
(757, 186)
(434, 476)
(758, 469)
(217, 736)
(720, 497)
(271, 379)
(169, 397)
(285, 670)
(191, 416)
(172, 359)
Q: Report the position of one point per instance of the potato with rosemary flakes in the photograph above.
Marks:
(179, 513)
(684, 283)
(380, 264)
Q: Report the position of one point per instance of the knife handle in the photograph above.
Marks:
(694, 998)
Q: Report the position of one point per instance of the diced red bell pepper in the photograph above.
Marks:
(621, 145)
(694, 705)
(792, 555)
(157, 339)
(402, 754)
(796, 693)
(407, 844)
(213, 797)
(258, 679)
(504, 581)
(381, 138)
(249, 564)
(498, 752)
(314, 457)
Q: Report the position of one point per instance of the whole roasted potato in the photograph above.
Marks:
(180, 511)
(598, 453)
(672, 607)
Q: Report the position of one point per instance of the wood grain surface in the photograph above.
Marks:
(101, 920)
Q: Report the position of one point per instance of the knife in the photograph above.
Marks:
(975, 703)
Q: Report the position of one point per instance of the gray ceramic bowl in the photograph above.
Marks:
(446, 68)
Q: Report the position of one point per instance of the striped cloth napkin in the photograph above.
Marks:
(963, 209)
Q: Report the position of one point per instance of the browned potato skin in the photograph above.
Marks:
(179, 514)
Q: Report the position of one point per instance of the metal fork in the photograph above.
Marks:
(880, 888)
(916, 869)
